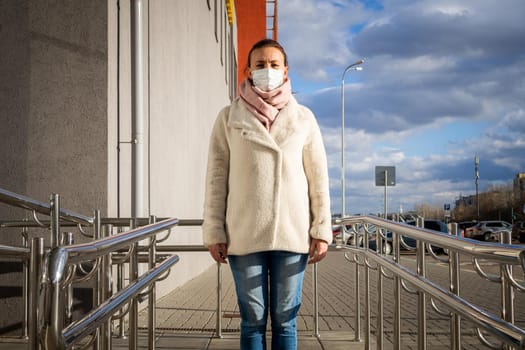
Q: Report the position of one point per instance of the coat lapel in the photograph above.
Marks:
(252, 129)
(286, 124)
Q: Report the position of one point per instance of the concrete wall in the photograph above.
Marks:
(188, 88)
(53, 114)
(188, 72)
(53, 105)
(65, 113)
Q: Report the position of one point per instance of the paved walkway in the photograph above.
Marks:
(188, 313)
(186, 318)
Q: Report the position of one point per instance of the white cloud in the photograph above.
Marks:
(317, 34)
(442, 82)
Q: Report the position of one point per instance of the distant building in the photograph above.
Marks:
(519, 186)
(466, 200)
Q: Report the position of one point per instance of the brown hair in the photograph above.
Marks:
(267, 43)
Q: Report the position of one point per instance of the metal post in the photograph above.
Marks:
(137, 110)
(454, 276)
(315, 301)
(218, 325)
(55, 220)
(35, 265)
(357, 303)
(385, 199)
(152, 325)
(97, 292)
(343, 149)
(134, 306)
(507, 290)
(120, 286)
(350, 67)
(105, 289)
(367, 295)
(67, 239)
(357, 276)
(476, 165)
(379, 321)
(55, 316)
(422, 305)
(25, 290)
(397, 293)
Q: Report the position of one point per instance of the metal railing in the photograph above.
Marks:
(31, 257)
(62, 259)
(416, 281)
(24, 202)
(49, 303)
(57, 217)
(107, 250)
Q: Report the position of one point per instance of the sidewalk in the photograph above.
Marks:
(178, 341)
(186, 317)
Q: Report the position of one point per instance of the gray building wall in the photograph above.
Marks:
(53, 115)
(65, 100)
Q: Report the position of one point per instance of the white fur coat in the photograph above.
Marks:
(266, 190)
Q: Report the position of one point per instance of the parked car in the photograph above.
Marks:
(487, 230)
(434, 225)
(387, 243)
(348, 235)
(518, 231)
(464, 226)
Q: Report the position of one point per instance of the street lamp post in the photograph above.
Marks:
(353, 66)
(476, 166)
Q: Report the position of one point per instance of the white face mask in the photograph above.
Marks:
(268, 79)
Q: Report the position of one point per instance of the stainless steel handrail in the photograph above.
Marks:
(506, 331)
(21, 253)
(506, 255)
(116, 222)
(24, 202)
(89, 323)
(62, 256)
(503, 254)
(32, 257)
(88, 251)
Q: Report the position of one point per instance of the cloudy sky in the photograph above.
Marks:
(442, 81)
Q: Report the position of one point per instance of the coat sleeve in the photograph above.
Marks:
(316, 169)
(216, 193)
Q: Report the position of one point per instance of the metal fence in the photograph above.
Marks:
(113, 245)
(51, 271)
(447, 302)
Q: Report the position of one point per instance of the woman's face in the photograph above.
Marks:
(267, 57)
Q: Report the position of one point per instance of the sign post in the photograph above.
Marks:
(385, 176)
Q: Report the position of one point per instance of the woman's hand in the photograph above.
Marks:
(318, 250)
(219, 252)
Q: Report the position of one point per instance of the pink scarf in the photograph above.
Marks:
(265, 105)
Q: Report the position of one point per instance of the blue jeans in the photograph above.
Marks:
(274, 279)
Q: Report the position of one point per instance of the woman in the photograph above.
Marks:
(267, 205)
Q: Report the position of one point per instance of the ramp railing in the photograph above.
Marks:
(60, 269)
(33, 248)
(48, 281)
(494, 330)
(51, 271)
